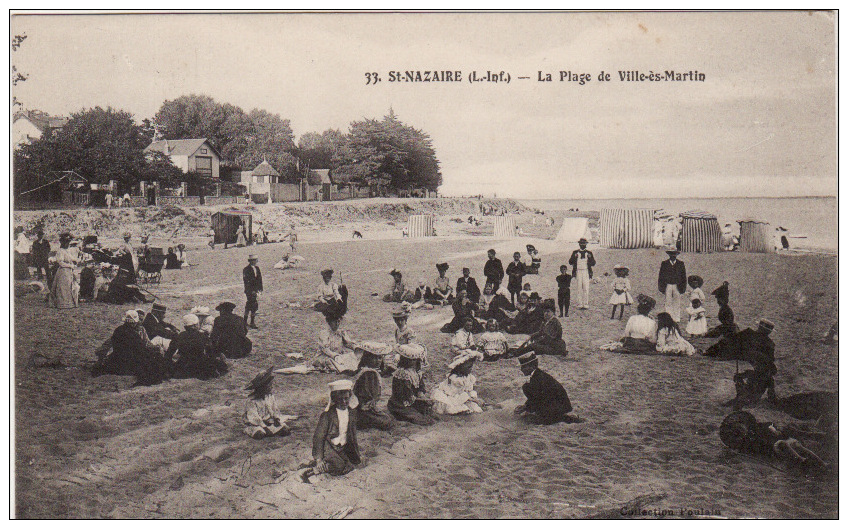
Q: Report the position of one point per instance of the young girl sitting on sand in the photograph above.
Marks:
(493, 342)
(464, 337)
(262, 417)
(620, 290)
(369, 387)
(669, 340)
(456, 395)
(409, 401)
(697, 326)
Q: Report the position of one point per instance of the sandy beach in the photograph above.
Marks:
(100, 447)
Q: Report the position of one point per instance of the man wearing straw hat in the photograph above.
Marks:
(547, 400)
(252, 277)
(672, 282)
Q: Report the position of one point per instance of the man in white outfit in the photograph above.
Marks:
(582, 261)
(672, 282)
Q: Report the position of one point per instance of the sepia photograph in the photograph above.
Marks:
(431, 264)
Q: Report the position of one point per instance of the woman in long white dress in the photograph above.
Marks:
(65, 289)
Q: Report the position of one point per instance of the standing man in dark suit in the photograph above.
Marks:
(40, 254)
(582, 261)
(547, 400)
(252, 288)
(672, 282)
(493, 271)
(468, 284)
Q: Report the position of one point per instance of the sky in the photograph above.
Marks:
(763, 123)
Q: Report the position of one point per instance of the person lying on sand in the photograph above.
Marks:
(742, 432)
(409, 401)
(547, 401)
(456, 395)
(369, 386)
(262, 417)
(289, 261)
(335, 449)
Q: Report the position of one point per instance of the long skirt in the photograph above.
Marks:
(420, 412)
(374, 419)
(337, 459)
(64, 295)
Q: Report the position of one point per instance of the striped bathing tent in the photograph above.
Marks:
(755, 236)
(627, 228)
(505, 226)
(700, 233)
(421, 226)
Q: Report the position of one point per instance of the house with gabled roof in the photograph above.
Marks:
(29, 125)
(190, 155)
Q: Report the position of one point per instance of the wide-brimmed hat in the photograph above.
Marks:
(261, 380)
(395, 272)
(252, 257)
(527, 358)
(375, 347)
(400, 312)
(327, 272)
(672, 251)
(131, 316)
(722, 291)
(465, 357)
(200, 311)
(620, 267)
(225, 307)
(190, 319)
(412, 351)
(646, 301)
(341, 384)
(442, 267)
(735, 428)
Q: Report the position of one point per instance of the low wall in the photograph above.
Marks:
(178, 201)
(224, 199)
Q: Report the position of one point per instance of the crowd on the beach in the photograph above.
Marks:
(146, 346)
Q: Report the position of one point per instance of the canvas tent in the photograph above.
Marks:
(505, 226)
(701, 232)
(755, 236)
(573, 229)
(627, 228)
(225, 225)
(421, 226)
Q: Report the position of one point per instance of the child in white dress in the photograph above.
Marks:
(456, 394)
(492, 342)
(695, 282)
(620, 290)
(697, 326)
(669, 340)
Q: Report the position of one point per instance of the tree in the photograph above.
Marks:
(160, 168)
(99, 144)
(270, 138)
(17, 76)
(316, 150)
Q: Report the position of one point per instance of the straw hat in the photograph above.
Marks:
(252, 257)
(131, 316)
(411, 351)
(190, 320)
(527, 358)
(261, 380)
(200, 311)
(734, 429)
(466, 356)
(341, 384)
(400, 312)
(375, 347)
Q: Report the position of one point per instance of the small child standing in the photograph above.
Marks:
(697, 326)
(564, 291)
(620, 290)
(695, 282)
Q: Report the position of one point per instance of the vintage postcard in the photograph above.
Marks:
(424, 264)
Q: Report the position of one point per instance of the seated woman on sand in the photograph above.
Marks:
(640, 333)
(129, 352)
(332, 298)
(422, 296)
(669, 340)
(409, 401)
(456, 395)
(398, 292)
(336, 348)
(492, 304)
(194, 355)
(229, 333)
(369, 386)
(442, 289)
(463, 308)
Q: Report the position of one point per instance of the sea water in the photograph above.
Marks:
(814, 218)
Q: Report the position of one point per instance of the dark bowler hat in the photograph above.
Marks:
(582, 241)
(695, 280)
(158, 307)
(225, 307)
(765, 325)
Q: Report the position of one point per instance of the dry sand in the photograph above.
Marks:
(98, 447)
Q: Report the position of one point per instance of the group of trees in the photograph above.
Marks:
(107, 144)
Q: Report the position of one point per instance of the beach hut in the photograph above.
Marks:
(701, 232)
(225, 225)
(421, 226)
(627, 228)
(755, 236)
(573, 229)
(505, 226)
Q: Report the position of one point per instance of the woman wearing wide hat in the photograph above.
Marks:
(368, 388)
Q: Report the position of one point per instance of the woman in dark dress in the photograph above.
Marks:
(195, 357)
(171, 260)
(369, 387)
(409, 401)
(131, 354)
(229, 333)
